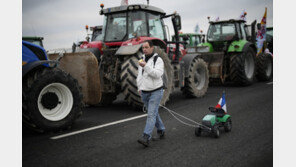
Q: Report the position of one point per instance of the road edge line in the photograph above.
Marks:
(96, 127)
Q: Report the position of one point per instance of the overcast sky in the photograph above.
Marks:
(62, 22)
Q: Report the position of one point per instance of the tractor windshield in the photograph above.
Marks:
(115, 27)
(123, 26)
(221, 32)
(137, 24)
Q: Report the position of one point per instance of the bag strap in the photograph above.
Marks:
(154, 60)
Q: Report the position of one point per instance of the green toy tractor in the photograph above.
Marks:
(230, 51)
(212, 122)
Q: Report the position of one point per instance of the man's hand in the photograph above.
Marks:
(142, 63)
(140, 92)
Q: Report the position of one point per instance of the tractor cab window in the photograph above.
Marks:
(185, 39)
(137, 25)
(246, 28)
(155, 26)
(244, 34)
(116, 27)
(195, 40)
(221, 32)
(97, 35)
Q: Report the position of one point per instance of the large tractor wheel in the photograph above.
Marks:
(129, 73)
(52, 100)
(196, 85)
(242, 67)
(264, 67)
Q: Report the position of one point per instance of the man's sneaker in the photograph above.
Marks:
(160, 135)
(144, 140)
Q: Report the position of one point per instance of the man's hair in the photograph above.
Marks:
(149, 42)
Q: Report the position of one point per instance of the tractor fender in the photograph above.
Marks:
(186, 61)
(241, 46)
(32, 65)
(237, 46)
(249, 45)
(128, 49)
(224, 118)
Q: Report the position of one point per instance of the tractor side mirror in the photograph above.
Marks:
(177, 19)
(258, 26)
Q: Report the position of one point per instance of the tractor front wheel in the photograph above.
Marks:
(196, 84)
(53, 100)
(216, 131)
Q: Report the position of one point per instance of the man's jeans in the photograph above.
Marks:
(151, 101)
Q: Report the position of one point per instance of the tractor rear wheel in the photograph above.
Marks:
(129, 73)
(197, 131)
(242, 67)
(52, 100)
(196, 85)
(264, 66)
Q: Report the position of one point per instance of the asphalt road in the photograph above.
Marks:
(250, 143)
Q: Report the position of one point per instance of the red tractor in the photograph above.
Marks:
(125, 28)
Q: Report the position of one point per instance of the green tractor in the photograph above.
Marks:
(211, 123)
(230, 51)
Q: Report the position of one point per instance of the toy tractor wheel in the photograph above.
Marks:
(197, 131)
(228, 125)
(129, 73)
(242, 67)
(53, 100)
(216, 131)
(264, 66)
(196, 84)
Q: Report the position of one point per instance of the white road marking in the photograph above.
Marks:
(269, 83)
(97, 127)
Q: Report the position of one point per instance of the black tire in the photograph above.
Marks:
(242, 67)
(196, 85)
(129, 73)
(52, 100)
(228, 125)
(264, 63)
(216, 131)
(197, 131)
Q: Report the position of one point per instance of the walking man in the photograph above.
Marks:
(150, 87)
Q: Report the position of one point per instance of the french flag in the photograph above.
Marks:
(222, 103)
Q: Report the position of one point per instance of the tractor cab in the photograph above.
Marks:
(34, 40)
(127, 22)
(222, 33)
